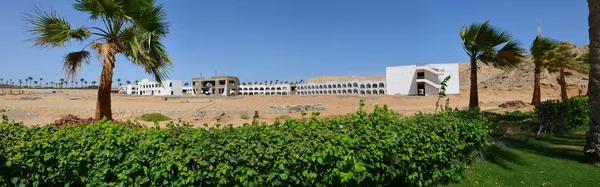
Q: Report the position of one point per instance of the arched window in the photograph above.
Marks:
(381, 85)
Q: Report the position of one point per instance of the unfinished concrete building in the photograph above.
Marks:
(220, 85)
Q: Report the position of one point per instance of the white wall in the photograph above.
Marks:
(402, 79)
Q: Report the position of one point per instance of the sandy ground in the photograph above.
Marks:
(41, 106)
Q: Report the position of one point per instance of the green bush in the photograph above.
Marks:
(152, 117)
(366, 149)
(566, 116)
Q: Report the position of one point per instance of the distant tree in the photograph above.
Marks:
(35, 82)
(20, 83)
(81, 81)
(93, 83)
(255, 82)
(186, 84)
(76, 84)
(564, 59)
(118, 82)
(481, 42)
(276, 81)
(52, 83)
(62, 81)
(128, 82)
(136, 82)
(72, 83)
(86, 82)
(46, 84)
(30, 79)
(41, 81)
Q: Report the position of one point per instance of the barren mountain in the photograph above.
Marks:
(521, 77)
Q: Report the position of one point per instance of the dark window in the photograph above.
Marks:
(171, 84)
(420, 75)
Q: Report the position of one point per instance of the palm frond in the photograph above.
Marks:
(73, 62)
(541, 48)
(100, 8)
(51, 30)
(480, 41)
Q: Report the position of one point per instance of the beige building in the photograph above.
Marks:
(220, 85)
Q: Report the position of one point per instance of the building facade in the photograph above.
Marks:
(422, 80)
(168, 87)
(220, 85)
(354, 87)
(274, 89)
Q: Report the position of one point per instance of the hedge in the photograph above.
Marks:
(563, 116)
(359, 149)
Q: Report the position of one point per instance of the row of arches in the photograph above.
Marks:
(342, 85)
(262, 88)
(343, 91)
(264, 93)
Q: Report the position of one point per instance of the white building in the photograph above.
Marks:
(168, 87)
(188, 90)
(129, 89)
(354, 87)
(422, 80)
(273, 89)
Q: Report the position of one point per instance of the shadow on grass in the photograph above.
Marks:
(501, 156)
(548, 146)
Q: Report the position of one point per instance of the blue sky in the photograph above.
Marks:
(290, 40)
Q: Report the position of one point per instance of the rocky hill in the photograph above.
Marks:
(521, 77)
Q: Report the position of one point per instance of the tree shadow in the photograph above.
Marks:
(498, 154)
(545, 146)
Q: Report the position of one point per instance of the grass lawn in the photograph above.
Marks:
(541, 161)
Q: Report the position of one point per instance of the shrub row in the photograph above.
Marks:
(563, 116)
(376, 148)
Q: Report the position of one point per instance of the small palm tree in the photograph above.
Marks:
(255, 82)
(81, 81)
(93, 83)
(118, 82)
(128, 82)
(46, 84)
(20, 83)
(489, 45)
(41, 81)
(132, 28)
(35, 82)
(136, 82)
(85, 82)
(52, 83)
(61, 82)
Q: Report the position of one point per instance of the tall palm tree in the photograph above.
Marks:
(541, 50)
(93, 83)
(85, 82)
(481, 42)
(26, 82)
(565, 59)
(52, 83)
(30, 79)
(134, 29)
(46, 84)
(128, 82)
(118, 82)
(41, 81)
(592, 146)
(20, 83)
(81, 81)
(35, 82)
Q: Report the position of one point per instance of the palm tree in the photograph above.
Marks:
(27, 82)
(592, 145)
(61, 82)
(541, 50)
(128, 82)
(52, 83)
(118, 82)
(134, 29)
(41, 81)
(136, 82)
(186, 84)
(46, 84)
(85, 83)
(81, 81)
(93, 83)
(35, 82)
(481, 41)
(76, 84)
(30, 79)
(20, 83)
(255, 82)
(565, 59)
(276, 81)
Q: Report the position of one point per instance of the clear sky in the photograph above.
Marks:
(290, 40)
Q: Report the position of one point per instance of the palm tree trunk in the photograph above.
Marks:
(563, 85)
(474, 97)
(592, 146)
(537, 95)
(103, 104)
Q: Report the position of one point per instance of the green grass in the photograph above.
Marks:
(527, 161)
(152, 117)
